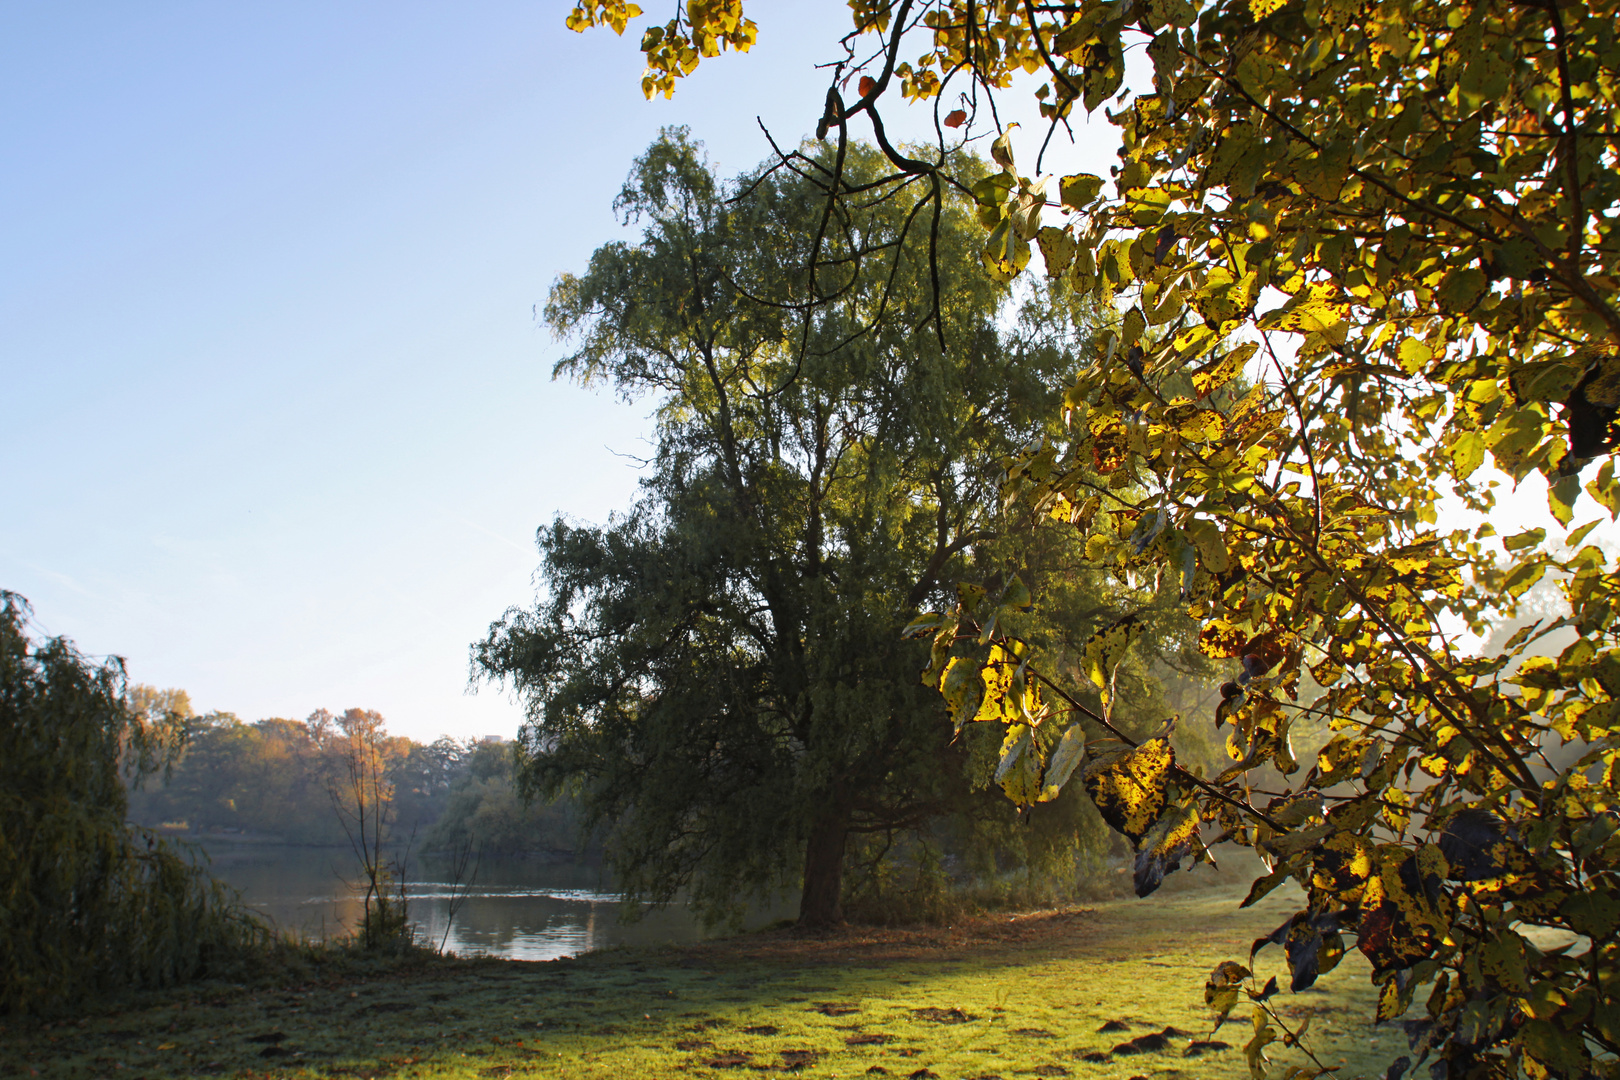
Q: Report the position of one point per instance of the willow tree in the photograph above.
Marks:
(719, 671)
(88, 904)
(1401, 216)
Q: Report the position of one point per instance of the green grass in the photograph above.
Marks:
(1005, 996)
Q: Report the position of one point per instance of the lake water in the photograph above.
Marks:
(518, 909)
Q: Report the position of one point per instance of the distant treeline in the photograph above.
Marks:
(274, 780)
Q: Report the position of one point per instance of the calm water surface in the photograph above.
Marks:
(518, 909)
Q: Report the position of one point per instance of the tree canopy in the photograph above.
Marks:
(720, 671)
(1398, 217)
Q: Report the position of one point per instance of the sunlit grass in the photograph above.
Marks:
(1008, 997)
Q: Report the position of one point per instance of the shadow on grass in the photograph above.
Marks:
(1111, 991)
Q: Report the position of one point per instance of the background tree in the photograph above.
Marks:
(484, 812)
(362, 794)
(719, 672)
(86, 903)
(272, 778)
(1401, 216)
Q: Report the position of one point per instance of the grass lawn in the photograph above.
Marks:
(1044, 994)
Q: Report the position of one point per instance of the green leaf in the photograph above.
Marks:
(1467, 453)
(1530, 538)
(994, 190)
(1324, 172)
(1057, 248)
(1147, 205)
(1394, 997)
(1005, 254)
(1105, 649)
(1545, 381)
(1311, 312)
(1080, 190)
(1128, 789)
(1019, 770)
(1552, 1048)
(926, 623)
(939, 653)
(1024, 211)
(1135, 323)
(1414, 355)
(1574, 538)
(962, 689)
(1016, 595)
(1255, 1049)
(1223, 369)
(1067, 756)
(1173, 837)
(1206, 537)
(1605, 490)
(1222, 988)
(1001, 150)
(1561, 496)
(1594, 912)
(1504, 959)
(1462, 288)
(1484, 78)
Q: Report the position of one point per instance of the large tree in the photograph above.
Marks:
(88, 904)
(720, 670)
(1400, 215)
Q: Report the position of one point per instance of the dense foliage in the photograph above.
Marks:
(483, 809)
(88, 904)
(275, 780)
(1400, 216)
(719, 672)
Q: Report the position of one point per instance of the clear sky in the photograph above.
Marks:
(278, 424)
(278, 420)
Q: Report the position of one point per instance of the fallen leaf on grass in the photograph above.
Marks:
(836, 1008)
(1143, 1044)
(794, 1060)
(733, 1060)
(1206, 1046)
(942, 1016)
(872, 1039)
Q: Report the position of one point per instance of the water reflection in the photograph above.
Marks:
(515, 909)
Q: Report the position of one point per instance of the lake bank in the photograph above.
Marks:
(517, 909)
(1023, 995)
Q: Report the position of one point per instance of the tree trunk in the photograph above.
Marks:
(822, 903)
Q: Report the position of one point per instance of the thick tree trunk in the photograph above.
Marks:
(822, 903)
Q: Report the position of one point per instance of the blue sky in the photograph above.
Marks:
(279, 424)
